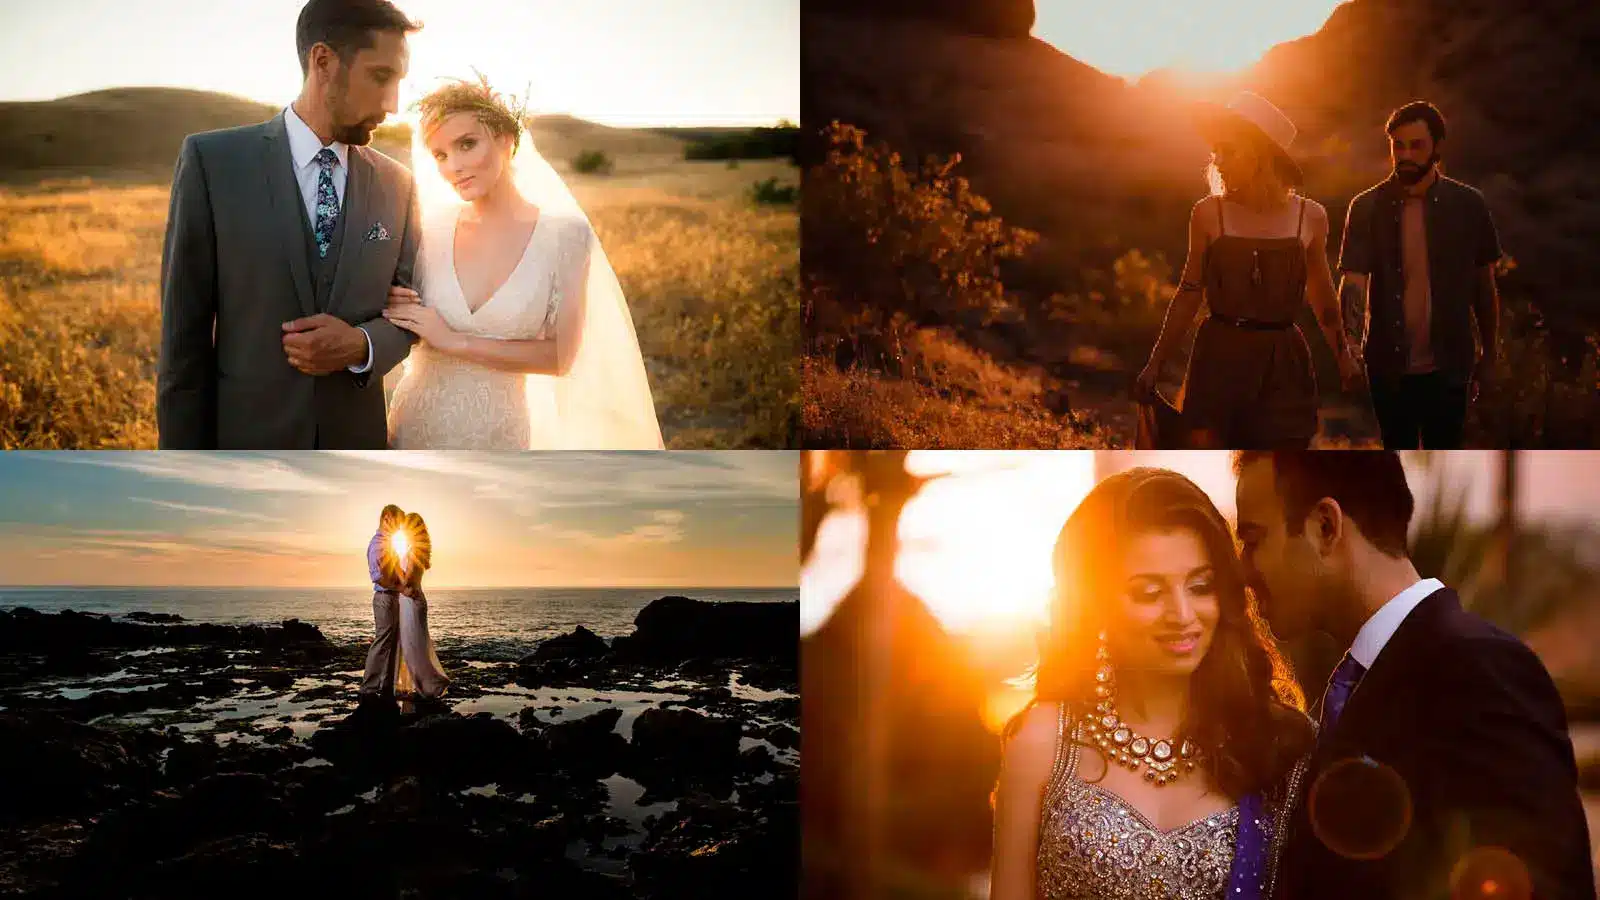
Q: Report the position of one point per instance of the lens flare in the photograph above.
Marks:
(1360, 808)
(401, 543)
(1490, 873)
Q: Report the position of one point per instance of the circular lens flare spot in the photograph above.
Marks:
(1490, 873)
(1360, 808)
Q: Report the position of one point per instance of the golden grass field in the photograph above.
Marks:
(712, 280)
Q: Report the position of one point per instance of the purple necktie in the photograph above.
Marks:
(1340, 685)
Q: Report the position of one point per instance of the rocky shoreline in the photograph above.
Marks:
(146, 757)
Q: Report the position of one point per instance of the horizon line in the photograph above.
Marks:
(744, 122)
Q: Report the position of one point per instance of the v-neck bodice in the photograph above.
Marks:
(453, 277)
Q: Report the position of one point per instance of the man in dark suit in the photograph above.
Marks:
(1443, 767)
(282, 241)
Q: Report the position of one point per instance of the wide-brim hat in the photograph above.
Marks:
(1255, 116)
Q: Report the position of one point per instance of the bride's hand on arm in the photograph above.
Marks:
(1026, 759)
(406, 311)
(540, 356)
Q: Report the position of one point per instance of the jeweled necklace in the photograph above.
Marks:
(1160, 761)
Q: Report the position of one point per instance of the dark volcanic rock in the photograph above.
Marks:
(686, 740)
(581, 644)
(678, 628)
(30, 631)
(589, 745)
(464, 751)
(50, 766)
(706, 848)
(783, 737)
(153, 617)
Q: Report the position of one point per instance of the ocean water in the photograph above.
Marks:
(481, 623)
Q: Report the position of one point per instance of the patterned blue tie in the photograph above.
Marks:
(327, 201)
(1340, 685)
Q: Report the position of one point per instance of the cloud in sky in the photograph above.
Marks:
(497, 519)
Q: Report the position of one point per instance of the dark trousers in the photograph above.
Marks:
(1430, 408)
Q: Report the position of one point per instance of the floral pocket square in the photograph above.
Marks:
(378, 233)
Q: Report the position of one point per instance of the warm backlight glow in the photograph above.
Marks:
(1134, 37)
(975, 545)
(401, 542)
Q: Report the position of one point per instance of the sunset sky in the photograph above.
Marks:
(618, 62)
(1132, 37)
(976, 545)
(702, 519)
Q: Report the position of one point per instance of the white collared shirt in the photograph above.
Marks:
(304, 145)
(303, 148)
(1377, 631)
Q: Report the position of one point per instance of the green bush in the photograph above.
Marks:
(770, 193)
(757, 143)
(592, 162)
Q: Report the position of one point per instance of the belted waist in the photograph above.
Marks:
(1252, 324)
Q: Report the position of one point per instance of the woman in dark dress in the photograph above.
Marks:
(1257, 254)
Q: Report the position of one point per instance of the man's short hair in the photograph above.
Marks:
(1418, 111)
(346, 26)
(1369, 486)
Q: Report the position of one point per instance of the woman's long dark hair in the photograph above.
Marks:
(1246, 712)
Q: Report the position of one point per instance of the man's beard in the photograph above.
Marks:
(358, 134)
(1411, 173)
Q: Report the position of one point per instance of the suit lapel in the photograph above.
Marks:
(1390, 672)
(359, 200)
(288, 209)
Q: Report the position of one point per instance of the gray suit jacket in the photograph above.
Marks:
(234, 268)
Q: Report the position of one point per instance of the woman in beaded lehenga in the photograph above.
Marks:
(525, 341)
(1166, 737)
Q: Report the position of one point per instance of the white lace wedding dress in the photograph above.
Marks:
(417, 669)
(443, 402)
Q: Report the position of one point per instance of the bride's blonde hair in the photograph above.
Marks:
(502, 116)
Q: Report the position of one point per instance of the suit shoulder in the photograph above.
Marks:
(387, 166)
(227, 139)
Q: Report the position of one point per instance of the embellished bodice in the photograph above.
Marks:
(1094, 844)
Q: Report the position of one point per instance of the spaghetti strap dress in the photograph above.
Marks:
(1251, 384)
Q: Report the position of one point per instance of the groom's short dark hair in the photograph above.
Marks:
(1369, 485)
(346, 26)
(1418, 111)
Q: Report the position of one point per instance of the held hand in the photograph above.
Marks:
(400, 297)
(323, 344)
(423, 321)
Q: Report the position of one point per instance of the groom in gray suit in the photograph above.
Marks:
(282, 241)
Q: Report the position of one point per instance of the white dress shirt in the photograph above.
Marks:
(1377, 631)
(304, 145)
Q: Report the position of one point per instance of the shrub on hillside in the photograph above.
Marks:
(592, 162)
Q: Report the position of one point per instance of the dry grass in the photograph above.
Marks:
(712, 281)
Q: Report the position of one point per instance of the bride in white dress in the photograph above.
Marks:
(418, 671)
(526, 342)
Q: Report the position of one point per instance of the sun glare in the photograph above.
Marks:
(975, 544)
